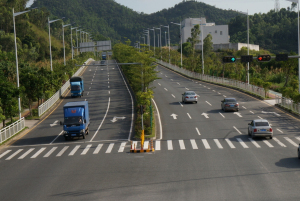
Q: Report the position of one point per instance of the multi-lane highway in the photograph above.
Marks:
(203, 153)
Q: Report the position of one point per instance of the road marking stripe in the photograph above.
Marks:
(279, 130)
(38, 153)
(171, 79)
(208, 88)
(74, 150)
(26, 153)
(180, 104)
(110, 147)
(298, 138)
(166, 89)
(205, 143)
(87, 93)
(14, 154)
(268, 143)
(280, 143)
(214, 90)
(194, 145)
(157, 145)
(230, 143)
(208, 103)
(170, 146)
(224, 96)
(62, 151)
(178, 83)
(259, 117)
(122, 147)
(291, 141)
(146, 144)
(159, 84)
(254, 142)
(244, 107)
(218, 143)
(251, 112)
(186, 88)
(50, 152)
(189, 115)
(198, 131)
(221, 114)
(219, 93)
(181, 144)
(86, 149)
(242, 143)
(237, 130)
(173, 96)
(98, 149)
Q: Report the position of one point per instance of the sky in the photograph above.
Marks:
(253, 6)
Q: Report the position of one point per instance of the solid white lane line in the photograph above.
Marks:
(158, 115)
(180, 104)
(50, 152)
(268, 143)
(244, 107)
(230, 143)
(189, 115)
(108, 92)
(221, 114)
(62, 151)
(98, 149)
(218, 143)
(279, 130)
(291, 141)
(157, 145)
(122, 147)
(259, 117)
(208, 103)
(173, 96)
(251, 112)
(242, 143)
(181, 144)
(74, 150)
(86, 149)
(38, 153)
(224, 96)
(14, 154)
(166, 89)
(57, 137)
(254, 142)
(110, 147)
(194, 145)
(198, 131)
(26, 153)
(6, 152)
(170, 145)
(159, 84)
(237, 130)
(280, 143)
(146, 144)
(205, 143)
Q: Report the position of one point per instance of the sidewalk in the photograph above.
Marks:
(273, 95)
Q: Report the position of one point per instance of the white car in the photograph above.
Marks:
(260, 128)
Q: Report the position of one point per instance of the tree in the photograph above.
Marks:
(194, 39)
(207, 46)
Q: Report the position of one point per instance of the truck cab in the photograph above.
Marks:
(77, 86)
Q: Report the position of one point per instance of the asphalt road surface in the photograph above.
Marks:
(202, 154)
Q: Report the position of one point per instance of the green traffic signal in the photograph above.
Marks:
(229, 59)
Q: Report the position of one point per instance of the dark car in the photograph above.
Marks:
(229, 104)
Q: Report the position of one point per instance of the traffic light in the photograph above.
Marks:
(282, 57)
(229, 59)
(264, 58)
(247, 58)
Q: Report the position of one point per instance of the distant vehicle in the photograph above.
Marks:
(229, 104)
(103, 56)
(189, 96)
(299, 151)
(77, 87)
(76, 119)
(102, 62)
(260, 128)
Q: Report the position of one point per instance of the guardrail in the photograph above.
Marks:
(51, 101)
(11, 130)
(224, 81)
(288, 104)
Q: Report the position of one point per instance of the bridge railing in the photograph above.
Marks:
(11, 130)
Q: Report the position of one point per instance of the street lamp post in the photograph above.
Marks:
(49, 22)
(16, 51)
(63, 34)
(144, 42)
(77, 39)
(72, 41)
(180, 38)
(160, 45)
(154, 38)
(169, 41)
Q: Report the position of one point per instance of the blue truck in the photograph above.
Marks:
(76, 119)
(103, 56)
(77, 87)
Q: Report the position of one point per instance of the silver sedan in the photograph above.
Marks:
(260, 128)
(189, 96)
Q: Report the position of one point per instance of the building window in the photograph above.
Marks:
(216, 31)
(220, 32)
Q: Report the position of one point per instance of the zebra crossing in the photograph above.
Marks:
(69, 150)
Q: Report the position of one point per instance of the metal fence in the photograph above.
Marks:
(51, 101)
(288, 104)
(11, 130)
(224, 81)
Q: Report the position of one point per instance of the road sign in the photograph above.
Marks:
(264, 58)
(282, 57)
(246, 58)
(229, 59)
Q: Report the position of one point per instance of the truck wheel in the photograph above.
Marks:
(66, 138)
(83, 136)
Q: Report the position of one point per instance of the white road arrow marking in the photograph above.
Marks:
(206, 115)
(270, 113)
(174, 116)
(238, 114)
(55, 123)
(116, 119)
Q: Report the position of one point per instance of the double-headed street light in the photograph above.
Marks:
(160, 41)
(180, 38)
(144, 42)
(63, 34)
(16, 51)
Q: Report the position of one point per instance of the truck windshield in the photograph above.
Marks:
(73, 120)
(75, 88)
